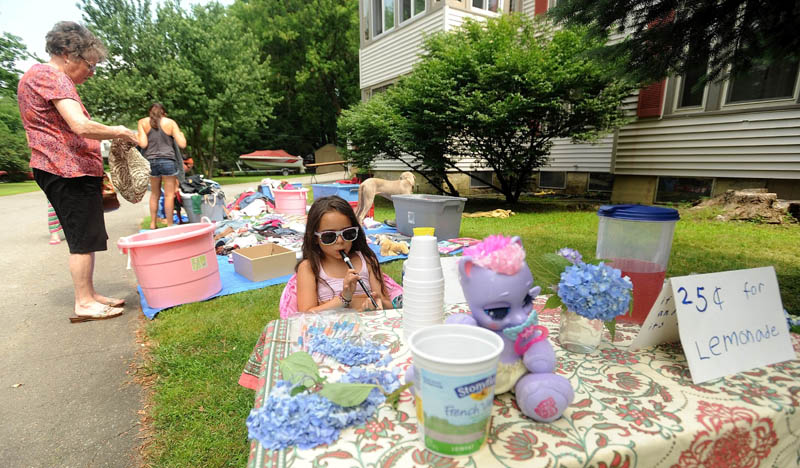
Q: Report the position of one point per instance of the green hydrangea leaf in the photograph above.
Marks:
(299, 366)
(347, 394)
(553, 301)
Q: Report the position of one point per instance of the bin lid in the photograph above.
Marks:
(639, 213)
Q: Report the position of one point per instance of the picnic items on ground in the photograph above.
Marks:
(110, 201)
(130, 171)
(637, 239)
(498, 286)
(498, 213)
(423, 286)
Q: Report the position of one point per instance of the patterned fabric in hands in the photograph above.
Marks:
(55, 148)
(130, 171)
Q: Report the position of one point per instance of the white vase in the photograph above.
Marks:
(579, 334)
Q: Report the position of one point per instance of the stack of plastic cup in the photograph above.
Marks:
(423, 285)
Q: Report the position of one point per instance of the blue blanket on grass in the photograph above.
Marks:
(233, 282)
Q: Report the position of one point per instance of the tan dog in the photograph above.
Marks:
(386, 188)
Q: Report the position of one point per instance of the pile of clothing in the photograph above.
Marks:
(252, 221)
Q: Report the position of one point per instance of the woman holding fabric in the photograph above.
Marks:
(156, 134)
(65, 155)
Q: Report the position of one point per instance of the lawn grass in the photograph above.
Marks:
(227, 180)
(13, 188)
(198, 350)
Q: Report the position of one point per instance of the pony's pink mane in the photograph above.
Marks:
(498, 253)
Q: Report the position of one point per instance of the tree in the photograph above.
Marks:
(498, 92)
(15, 154)
(669, 36)
(313, 49)
(202, 65)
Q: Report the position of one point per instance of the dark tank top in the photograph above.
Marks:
(159, 145)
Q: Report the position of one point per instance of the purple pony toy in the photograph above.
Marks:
(498, 286)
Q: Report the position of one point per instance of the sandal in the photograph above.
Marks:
(107, 313)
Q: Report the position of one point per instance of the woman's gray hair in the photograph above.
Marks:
(70, 38)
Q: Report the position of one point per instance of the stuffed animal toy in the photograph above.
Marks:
(390, 248)
(498, 286)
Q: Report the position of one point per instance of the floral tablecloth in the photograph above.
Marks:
(631, 409)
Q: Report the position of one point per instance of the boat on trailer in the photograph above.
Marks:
(273, 159)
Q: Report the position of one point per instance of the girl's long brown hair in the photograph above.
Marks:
(156, 112)
(312, 250)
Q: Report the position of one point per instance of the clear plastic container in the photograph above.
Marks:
(637, 239)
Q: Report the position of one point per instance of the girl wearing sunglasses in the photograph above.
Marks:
(324, 281)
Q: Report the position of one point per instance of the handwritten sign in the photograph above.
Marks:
(661, 325)
(731, 321)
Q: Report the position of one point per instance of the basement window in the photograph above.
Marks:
(556, 180)
(677, 189)
(601, 182)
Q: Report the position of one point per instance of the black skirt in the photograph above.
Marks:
(78, 203)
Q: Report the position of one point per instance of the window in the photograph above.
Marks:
(491, 5)
(674, 189)
(475, 183)
(691, 91)
(601, 182)
(767, 82)
(412, 8)
(553, 179)
(384, 16)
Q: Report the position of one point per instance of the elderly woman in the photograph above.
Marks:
(65, 155)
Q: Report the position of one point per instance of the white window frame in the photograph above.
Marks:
(414, 14)
(485, 9)
(383, 17)
(763, 102)
(676, 100)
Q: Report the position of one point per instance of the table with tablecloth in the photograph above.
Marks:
(631, 409)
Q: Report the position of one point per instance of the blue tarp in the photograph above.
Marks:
(233, 282)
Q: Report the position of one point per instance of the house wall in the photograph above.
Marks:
(750, 145)
(394, 53)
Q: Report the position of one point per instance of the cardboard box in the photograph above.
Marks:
(263, 262)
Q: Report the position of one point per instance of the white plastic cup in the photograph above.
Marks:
(455, 367)
(423, 262)
(423, 246)
(426, 286)
(423, 274)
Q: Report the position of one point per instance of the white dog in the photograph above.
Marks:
(386, 188)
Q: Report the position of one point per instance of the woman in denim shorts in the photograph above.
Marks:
(156, 134)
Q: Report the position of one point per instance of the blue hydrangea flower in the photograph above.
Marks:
(309, 420)
(345, 351)
(572, 255)
(595, 291)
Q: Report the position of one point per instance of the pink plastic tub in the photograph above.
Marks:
(290, 201)
(174, 265)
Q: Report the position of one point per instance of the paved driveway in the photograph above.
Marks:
(67, 396)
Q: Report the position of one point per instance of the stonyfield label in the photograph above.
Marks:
(456, 411)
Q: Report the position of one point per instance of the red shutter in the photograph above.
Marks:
(539, 7)
(650, 99)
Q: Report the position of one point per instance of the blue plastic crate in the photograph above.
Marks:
(347, 191)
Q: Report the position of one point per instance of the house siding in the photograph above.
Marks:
(757, 144)
(395, 54)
